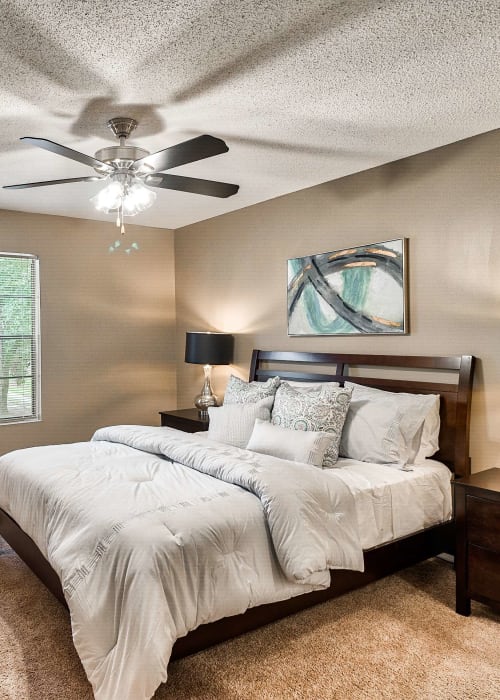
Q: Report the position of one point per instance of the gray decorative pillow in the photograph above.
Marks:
(325, 412)
(233, 424)
(239, 391)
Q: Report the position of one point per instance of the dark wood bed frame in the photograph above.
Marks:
(455, 388)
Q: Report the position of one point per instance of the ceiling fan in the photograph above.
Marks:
(129, 170)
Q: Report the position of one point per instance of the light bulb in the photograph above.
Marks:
(125, 194)
(137, 198)
(109, 199)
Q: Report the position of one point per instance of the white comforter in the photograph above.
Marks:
(149, 545)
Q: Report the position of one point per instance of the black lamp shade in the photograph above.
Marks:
(205, 348)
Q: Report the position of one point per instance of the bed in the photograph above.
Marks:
(450, 377)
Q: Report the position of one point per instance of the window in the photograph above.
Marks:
(19, 338)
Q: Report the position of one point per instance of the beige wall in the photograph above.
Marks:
(231, 271)
(107, 326)
(110, 350)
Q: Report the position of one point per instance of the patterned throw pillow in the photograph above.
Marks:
(311, 387)
(233, 424)
(324, 412)
(239, 391)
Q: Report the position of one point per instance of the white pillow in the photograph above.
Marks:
(233, 423)
(386, 427)
(426, 442)
(429, 444)
(323, 412)
(305, 446)
(239, 391)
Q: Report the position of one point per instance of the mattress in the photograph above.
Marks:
(392, 502)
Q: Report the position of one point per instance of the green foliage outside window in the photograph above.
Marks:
(18, 337)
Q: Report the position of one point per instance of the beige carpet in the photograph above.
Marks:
(399, 638)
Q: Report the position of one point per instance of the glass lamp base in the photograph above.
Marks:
(206, 397)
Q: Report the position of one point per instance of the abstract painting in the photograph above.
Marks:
(354, 291)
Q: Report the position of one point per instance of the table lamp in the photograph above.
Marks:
(208, 349)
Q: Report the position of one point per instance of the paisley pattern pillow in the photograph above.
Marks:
(324, 412)
(239, 391)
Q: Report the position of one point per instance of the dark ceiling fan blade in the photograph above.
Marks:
(91, 178)
(68, 153)
(192, 184)
(186, 152)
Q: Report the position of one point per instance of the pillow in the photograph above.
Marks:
(425, 442)
(323, 412)
(233, 424)
(239, 391)
(387, 427)
(310, 387)
(429, 444)
(304, 446)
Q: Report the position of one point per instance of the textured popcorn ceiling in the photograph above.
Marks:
(302, 91)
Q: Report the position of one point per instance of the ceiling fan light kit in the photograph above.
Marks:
(124, 193)
(128, 170)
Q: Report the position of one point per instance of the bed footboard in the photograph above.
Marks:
(27, 550)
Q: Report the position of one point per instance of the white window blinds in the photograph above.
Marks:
(19, 338)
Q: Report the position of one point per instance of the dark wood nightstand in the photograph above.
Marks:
(186, 419)
(477, 557)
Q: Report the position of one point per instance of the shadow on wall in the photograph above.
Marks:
(420, 167)
(485, 414)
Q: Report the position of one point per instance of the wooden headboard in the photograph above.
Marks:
(451, 377)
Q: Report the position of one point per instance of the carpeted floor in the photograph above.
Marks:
(398, 638)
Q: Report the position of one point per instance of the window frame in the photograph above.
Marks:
(36, 414)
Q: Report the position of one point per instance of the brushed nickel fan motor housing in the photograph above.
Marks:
(112, 154)
(121, 156)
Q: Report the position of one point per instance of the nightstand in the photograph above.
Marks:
(186, 419)
(477, 557)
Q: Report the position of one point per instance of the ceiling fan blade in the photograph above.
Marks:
(68, 153)
(186, 152)
(92, 178)
(192, 184)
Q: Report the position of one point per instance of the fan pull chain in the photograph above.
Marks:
(119, 218)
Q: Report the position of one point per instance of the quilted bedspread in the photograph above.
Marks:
(153, 532)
